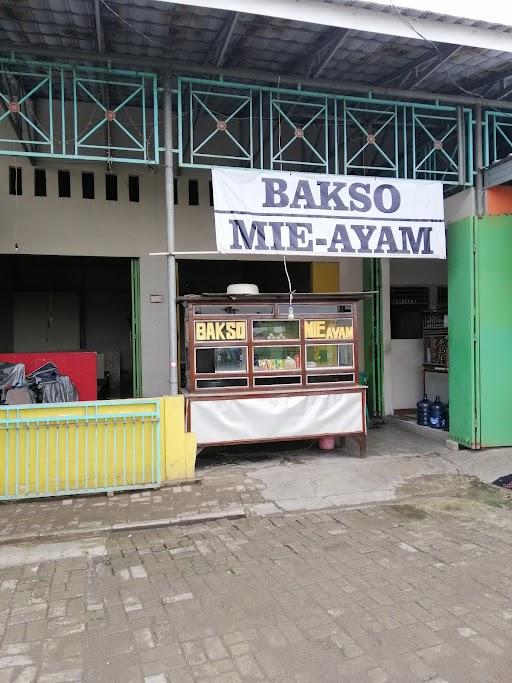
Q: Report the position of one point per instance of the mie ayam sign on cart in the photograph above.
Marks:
(278, 212)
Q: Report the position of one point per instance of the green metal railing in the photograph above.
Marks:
(254, 126)
(84, 113)
(497, 136)
(84, 447)
(92, 114)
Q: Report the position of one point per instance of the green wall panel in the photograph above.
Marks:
(461, 338)
(373, 345)
(494, 272)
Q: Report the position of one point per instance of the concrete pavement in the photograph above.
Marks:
(262, 480)
(391, 569)
(385, 594)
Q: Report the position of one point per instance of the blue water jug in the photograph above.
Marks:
(437, 414)
(423, 411)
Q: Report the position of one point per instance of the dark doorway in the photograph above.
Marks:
(199, 277)
(70, 303)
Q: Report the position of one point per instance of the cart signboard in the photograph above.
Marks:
(329, 329)
(225, 330)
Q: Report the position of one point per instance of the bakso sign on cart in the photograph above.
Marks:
(278, 212)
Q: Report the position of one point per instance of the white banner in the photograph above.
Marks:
(279, 212)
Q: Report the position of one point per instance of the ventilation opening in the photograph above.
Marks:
(407, 306)
(64, 184)
(88, 185)
(39, 182)
(111, 187)
(133, 188)
(175, 190)
(409, 296)
(15, 184)
(193, 193)
(210, 190)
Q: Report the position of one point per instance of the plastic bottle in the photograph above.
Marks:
(423, 411)
(437, 414)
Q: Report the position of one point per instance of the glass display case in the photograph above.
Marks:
(254, 344)
(256, 371)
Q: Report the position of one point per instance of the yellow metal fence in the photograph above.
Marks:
(59, 449)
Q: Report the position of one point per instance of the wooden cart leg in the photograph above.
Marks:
(362, 445)
(341, 442)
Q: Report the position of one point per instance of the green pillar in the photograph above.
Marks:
(373, 338)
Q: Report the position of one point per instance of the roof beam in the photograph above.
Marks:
(318, 56)
(504, 82)
(100, 36)
(330, 52)
(486, 83)
(219, 49)
(321, 60)
(415, 70)
(404, 74)
(436, 66)
(362, 19)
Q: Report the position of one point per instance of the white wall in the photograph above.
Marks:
(407, 372)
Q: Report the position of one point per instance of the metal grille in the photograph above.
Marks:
(409, 296)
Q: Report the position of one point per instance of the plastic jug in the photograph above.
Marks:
(437, 411)
(423, 411)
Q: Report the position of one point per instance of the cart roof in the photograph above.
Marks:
(305, 297)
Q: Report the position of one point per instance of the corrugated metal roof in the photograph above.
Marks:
(189, 35)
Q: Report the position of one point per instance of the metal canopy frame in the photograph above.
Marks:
(315, 131)
(48, 131)
(252, 126)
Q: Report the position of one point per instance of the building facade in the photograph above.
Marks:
(85, 215)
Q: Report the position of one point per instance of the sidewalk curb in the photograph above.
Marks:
(182, 520)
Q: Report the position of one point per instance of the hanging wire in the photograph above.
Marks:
(432, 44)
(291, 292)
(133, 28)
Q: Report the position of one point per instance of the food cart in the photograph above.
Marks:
(260, 369)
